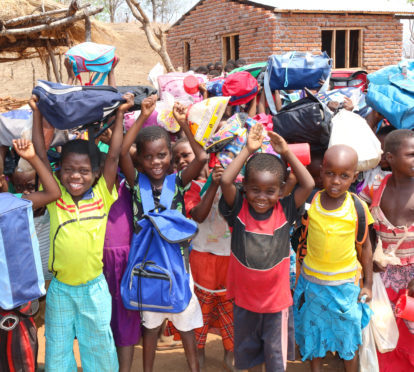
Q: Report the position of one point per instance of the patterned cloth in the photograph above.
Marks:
(84, 312)
(328, 318)
(216, 309)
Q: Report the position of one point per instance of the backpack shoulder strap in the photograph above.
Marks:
(168, 191)
(361, 232)
(145, 191)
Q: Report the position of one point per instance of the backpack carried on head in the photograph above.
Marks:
(296, 70)
(140, 92)
(307, 120)
(67, 107)
(254, 69)
(241, 87)
(21, 275)
(157, 274)
(361, 231)
(173, 83)
(391, 93)
(93, 57)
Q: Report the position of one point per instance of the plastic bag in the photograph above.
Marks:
(353, 130)
(156, 71)
(368, 360)
(384, 326)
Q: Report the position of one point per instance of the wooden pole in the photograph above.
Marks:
(53, 60)
(51, 26)
(47, 65)
(88, 31)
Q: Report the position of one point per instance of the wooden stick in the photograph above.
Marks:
(34, 43)
(88, 31)
(59, 23)
(53, 60)
(73, 8)
(33, 17)
(47, 63)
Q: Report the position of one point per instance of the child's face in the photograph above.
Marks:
(262, 189)
(183, 155)
(76, 174)
(24, 182)
(337, 176)
(403, 160)
(155, 160)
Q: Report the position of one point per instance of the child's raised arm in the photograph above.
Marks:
(254, 142)
(51, 192)
(200, 212)
(112, 158)
(37, 133)
(125, 161)
(304, 178)
(201, 157)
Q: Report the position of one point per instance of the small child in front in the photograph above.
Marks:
(328, 316)
(258, 273)
(78, 302)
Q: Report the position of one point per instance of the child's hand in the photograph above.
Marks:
(148, 105)
(115, 62)
(365, 292)
(255, 138)
(24, 148)
(348, 105)
(180, 112)
(129, 97)
(202, 88)
(278, 143)
(217, 173)
(32, 102)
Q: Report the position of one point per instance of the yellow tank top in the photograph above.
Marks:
(331, 254)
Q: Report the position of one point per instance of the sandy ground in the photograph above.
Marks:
(174, 360)
(137, 59)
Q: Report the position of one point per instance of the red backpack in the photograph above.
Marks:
(241, 86)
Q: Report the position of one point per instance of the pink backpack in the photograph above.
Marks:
(173, 83)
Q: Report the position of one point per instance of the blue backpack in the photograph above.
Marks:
(94, 57)
(67, 107)
(391, 93)
(157, 274)
(21, 275)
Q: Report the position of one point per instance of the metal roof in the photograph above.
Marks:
(369, 6)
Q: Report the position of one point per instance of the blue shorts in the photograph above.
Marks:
(83, 311)
(263, 338)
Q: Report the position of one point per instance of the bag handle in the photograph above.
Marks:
(268, 92)
(167, 193)
(286, 84)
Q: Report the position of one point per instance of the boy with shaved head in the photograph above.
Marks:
(328, 314)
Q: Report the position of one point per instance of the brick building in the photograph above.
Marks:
(367, 35)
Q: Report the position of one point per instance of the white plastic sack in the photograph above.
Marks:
(384, 326)
(368, 360)
(156, 71)
(15, 124)
(388, 258)
(353, 130)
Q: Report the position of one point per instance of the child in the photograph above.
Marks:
(392, 209)
(258, 274)
(154, 158)
(18, 347)
(328, 316)
(78, 303)
(209, 257)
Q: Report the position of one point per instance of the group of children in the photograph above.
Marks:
(240, 259)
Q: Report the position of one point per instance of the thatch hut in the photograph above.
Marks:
(40, 28)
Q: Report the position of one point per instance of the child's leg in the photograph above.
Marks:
(150, 338)
(125, 356)
(352, 365)
(225, 311)
(93, 330)
(190, 348)
(59, 328)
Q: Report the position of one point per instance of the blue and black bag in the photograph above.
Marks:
(157, 275)
(21, 275)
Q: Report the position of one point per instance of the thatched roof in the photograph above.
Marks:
(24, 26)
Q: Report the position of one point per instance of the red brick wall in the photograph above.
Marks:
(263, 32)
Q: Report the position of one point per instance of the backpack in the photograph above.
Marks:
(157, 274)
(21, 274)
(67, 107)
(94, 57)
(241, 87)
(173, 83)
(361, 232)
(254, 69)
(140, 92)
(215, 87)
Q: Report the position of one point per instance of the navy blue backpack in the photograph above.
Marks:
(67, 106)
(157, 275)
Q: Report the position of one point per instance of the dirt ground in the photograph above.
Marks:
(174, 360)
(137, 59)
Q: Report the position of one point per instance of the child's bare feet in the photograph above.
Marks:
(201, 357)
(228, 361)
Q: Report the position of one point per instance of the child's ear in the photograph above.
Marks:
(4, 187)
(389, 157)
(355, 176)
(282, 189)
